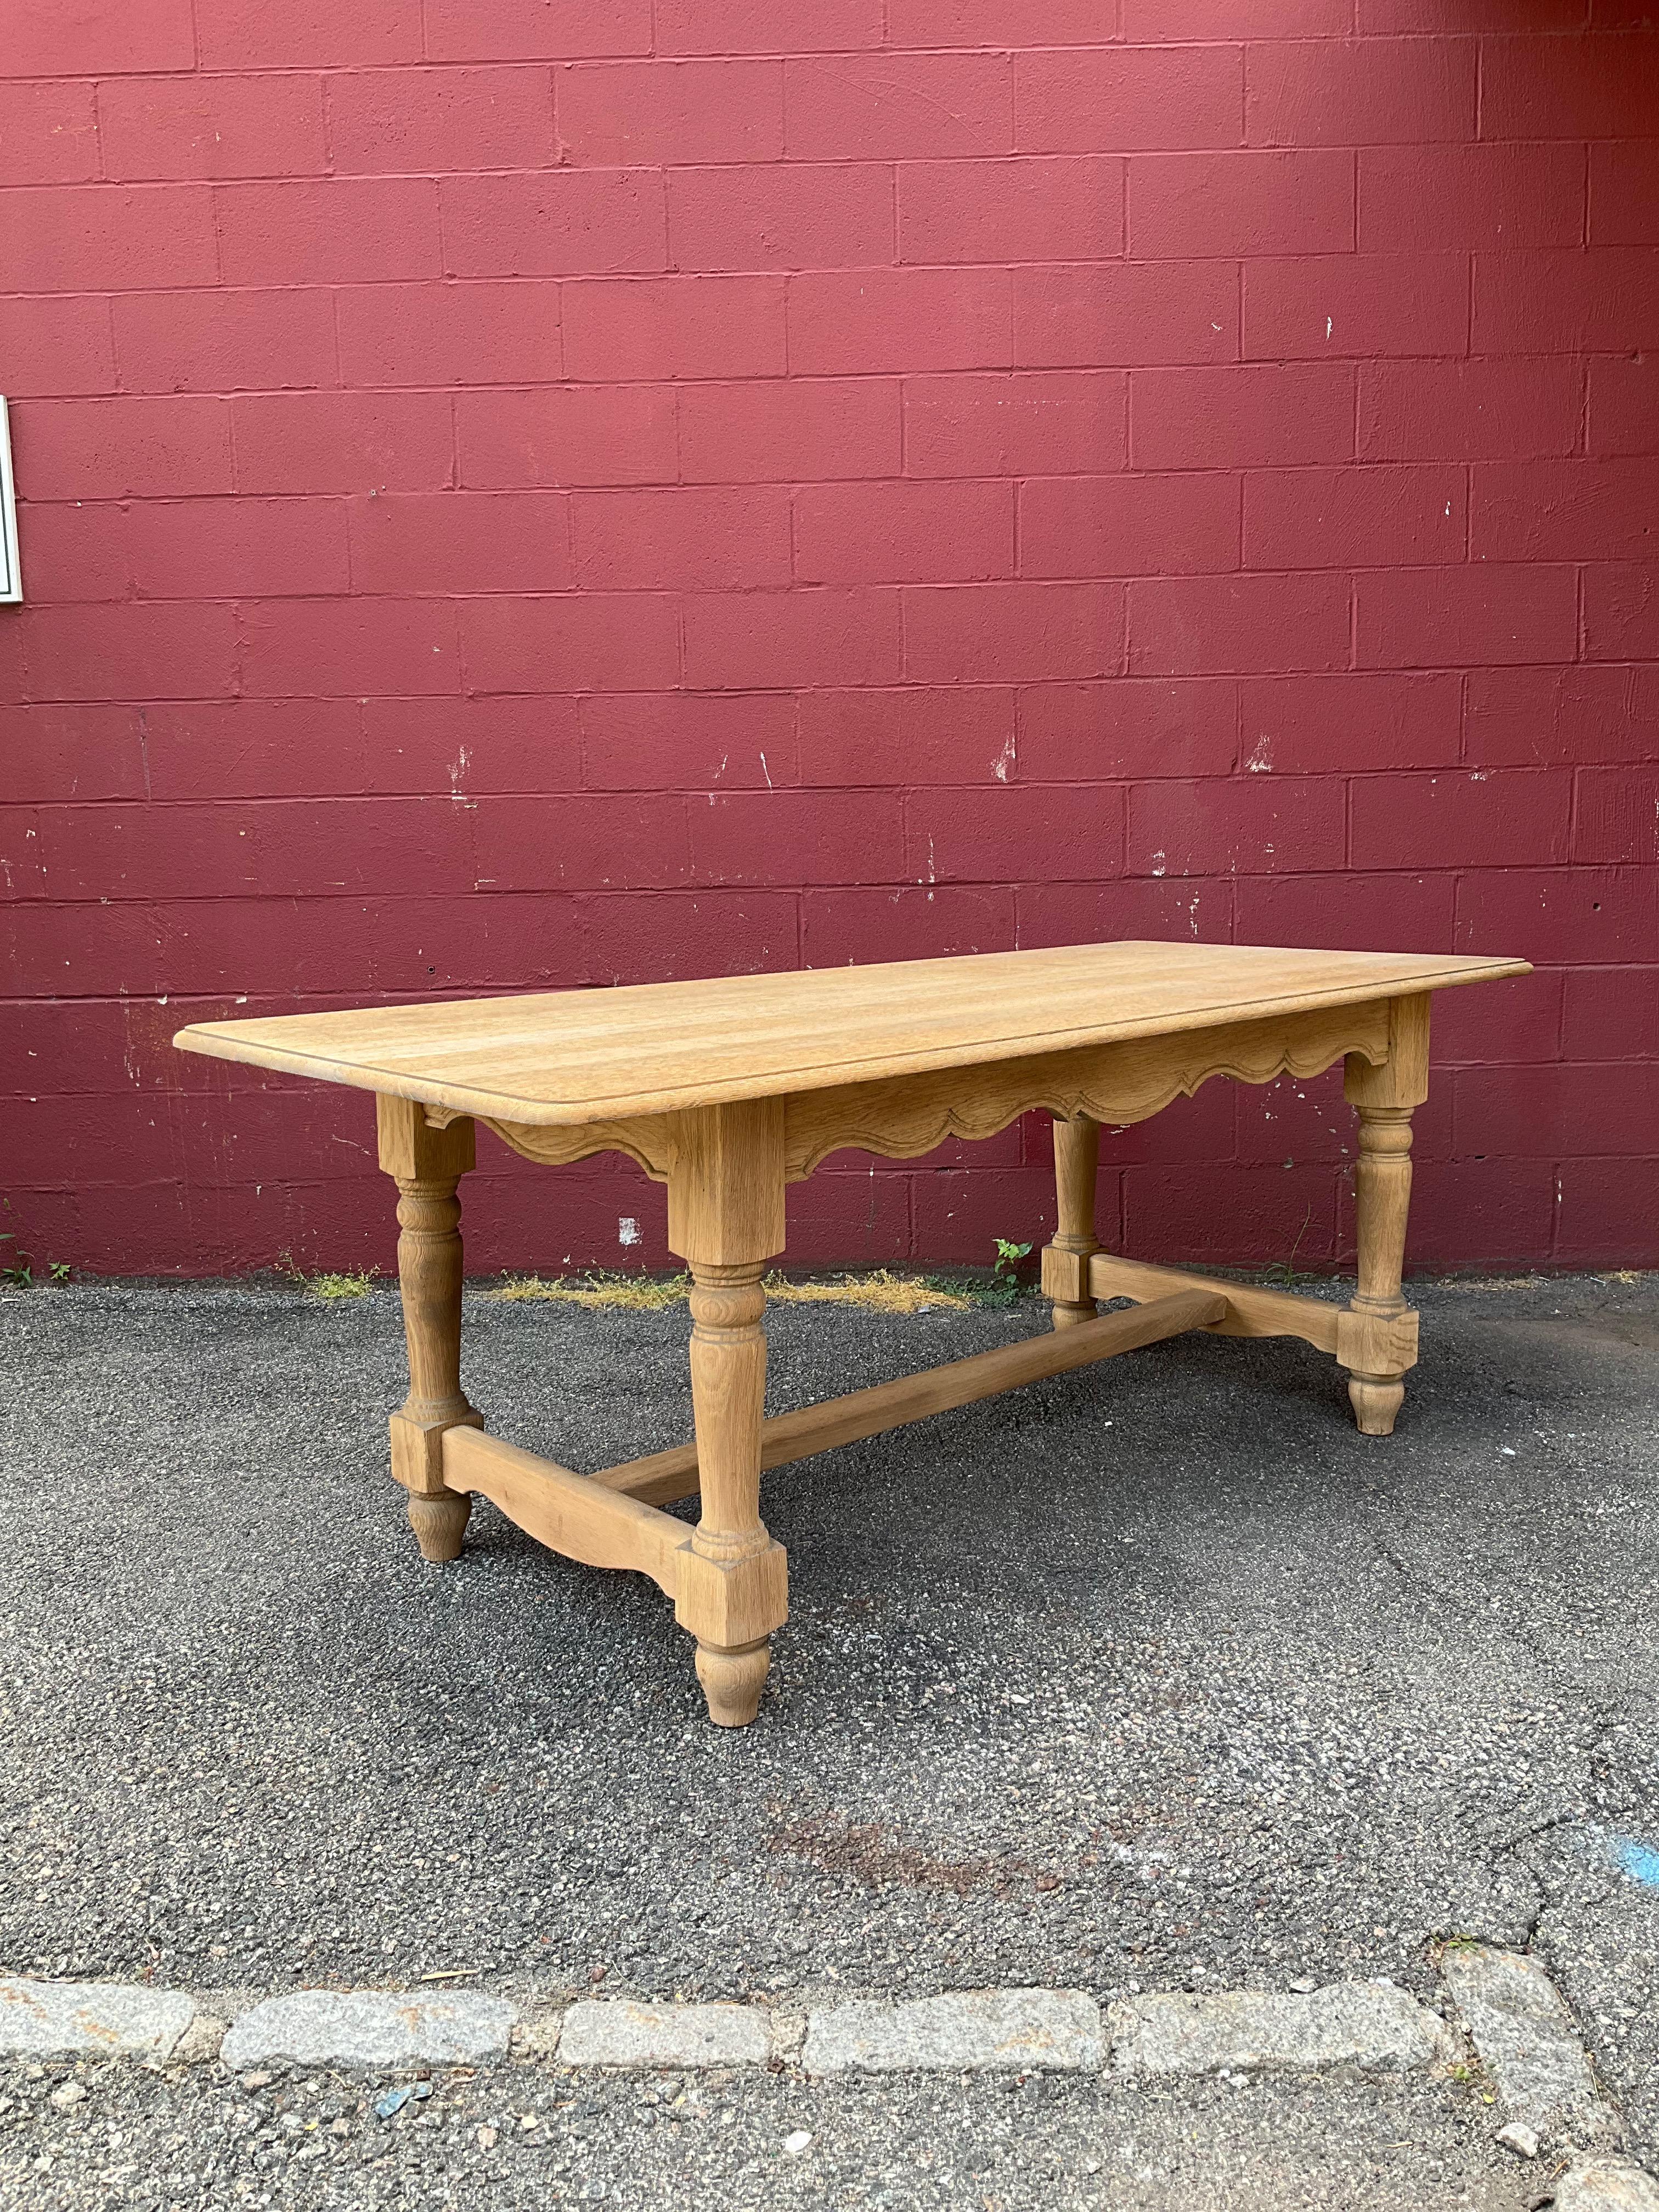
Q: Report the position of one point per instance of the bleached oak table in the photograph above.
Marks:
(730, 1091)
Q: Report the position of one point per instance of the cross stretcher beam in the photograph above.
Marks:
(570, 1513)
(1248, 1311)
(1360, 1340)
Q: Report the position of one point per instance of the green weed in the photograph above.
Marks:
(330, 1289)
(19, 1273)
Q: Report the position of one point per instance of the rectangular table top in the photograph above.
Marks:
(573, 1056)
(583, 1056)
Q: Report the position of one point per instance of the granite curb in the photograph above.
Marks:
(1504, 2024)
(1368, 2026)
(1520, 2030)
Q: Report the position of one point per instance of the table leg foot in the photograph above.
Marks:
(733, 1681)
(1376, 1399)
(439, 1521)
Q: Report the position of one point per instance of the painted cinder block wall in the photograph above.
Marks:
(521, 493)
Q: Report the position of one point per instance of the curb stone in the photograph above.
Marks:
(370, 2028)
(1526, 2039)
(619, 2033)
(1028, 2030)
(1607, 2185)
(1374, 2027)
(110, 2019)
(1524, 2033)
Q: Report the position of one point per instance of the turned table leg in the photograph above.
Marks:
(426, 1166)
(1076, 1165)
(726, 1219)
(728, 1397)
(1376, 1336)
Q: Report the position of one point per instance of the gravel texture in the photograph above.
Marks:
(1154, 1676)
(521, 2139)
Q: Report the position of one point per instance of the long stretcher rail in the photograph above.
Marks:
(665, 1476)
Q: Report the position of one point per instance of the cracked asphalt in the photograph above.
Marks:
(1157, 1674)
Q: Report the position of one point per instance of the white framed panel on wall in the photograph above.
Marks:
(11, 576)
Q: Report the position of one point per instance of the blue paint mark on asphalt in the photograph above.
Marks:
(1638, 1859)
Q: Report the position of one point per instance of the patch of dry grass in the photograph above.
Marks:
(632, 1294)
(879, 1292)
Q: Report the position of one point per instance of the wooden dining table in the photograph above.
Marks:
(729, 1090)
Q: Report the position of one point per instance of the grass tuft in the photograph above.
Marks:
(879, 1292)
(629, 1293)
(332, 1289)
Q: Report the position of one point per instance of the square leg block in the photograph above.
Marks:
(732, 1602)
(1065, 1276)
(418, 1451)
(1376, 1344)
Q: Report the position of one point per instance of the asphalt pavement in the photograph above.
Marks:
(1157, 1675)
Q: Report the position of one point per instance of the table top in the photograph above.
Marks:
(566, 1057)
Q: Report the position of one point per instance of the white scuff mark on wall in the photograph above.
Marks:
(627, 1229)
(1160, 864)
(1004, 760)
(1260, 761)
(1330, 325)
(932, 872)
(1192, 914)
(458, 769)
(766, 772)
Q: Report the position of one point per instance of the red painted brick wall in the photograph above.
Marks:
(540, 492)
